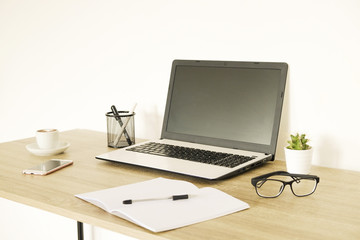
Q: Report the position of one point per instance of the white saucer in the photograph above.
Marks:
(34, 149)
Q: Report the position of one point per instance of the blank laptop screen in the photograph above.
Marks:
(224, 103)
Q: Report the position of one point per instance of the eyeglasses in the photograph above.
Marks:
(270, 186)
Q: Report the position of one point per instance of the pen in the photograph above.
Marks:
(173, 197)
(117, 139)
(118, 118)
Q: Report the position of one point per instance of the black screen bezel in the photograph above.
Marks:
(263, 148)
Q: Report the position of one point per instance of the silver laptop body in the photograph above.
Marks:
(220, 106)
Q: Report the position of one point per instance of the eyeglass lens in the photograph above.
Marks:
(273, 187)
(269, 188)
(303, 187)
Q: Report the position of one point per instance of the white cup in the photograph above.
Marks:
(47, 138)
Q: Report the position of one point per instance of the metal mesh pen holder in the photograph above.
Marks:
(120, 129)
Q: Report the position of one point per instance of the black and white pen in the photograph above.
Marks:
(122, 130)
(173, 197)
(118, 118)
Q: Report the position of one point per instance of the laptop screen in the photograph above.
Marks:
(227, 104)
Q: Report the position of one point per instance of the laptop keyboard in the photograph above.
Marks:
(192, 154)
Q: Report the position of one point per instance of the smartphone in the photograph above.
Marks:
(47, 167)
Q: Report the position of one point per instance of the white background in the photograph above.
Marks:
(64, 63)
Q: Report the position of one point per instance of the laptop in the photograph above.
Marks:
(221, 118)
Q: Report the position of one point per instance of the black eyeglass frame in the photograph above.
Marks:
(295, 177)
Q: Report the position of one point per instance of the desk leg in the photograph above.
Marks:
(80, 230)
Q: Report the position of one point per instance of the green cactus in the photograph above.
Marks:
(298, 142)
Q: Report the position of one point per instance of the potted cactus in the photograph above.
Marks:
(298, 154)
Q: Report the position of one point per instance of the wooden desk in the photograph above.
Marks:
(332, 212)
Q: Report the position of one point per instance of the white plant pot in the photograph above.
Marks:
(298, 161)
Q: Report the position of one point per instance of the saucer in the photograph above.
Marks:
(34, 149)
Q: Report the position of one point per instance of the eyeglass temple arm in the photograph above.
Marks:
(258, 178)
(296, 177)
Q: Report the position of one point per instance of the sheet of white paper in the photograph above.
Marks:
(112, 198)
(162, 215)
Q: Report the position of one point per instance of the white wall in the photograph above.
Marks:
(64, 63)
(23, 222)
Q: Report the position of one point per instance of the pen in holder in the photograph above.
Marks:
(120, 128)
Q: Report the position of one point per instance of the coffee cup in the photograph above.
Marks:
(47, 138)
